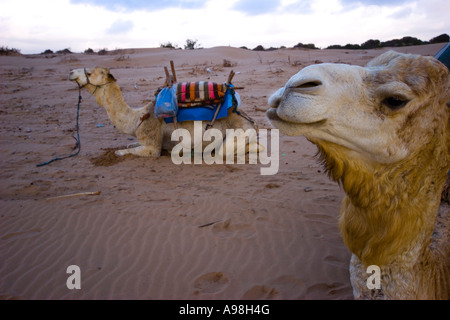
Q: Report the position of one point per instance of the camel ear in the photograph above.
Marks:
(384, 59)
(111, 77)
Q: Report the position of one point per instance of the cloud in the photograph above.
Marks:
(120, 26)
(107, 24)
(252, 7)
(131, 5)
(374, 2)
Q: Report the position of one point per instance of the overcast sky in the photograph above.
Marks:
(34, 26)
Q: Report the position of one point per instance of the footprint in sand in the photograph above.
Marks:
(260, 292)
(327, 290)
(282, 287)
(212, 282)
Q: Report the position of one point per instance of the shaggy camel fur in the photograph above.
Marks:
(383, 134)
(153, 134)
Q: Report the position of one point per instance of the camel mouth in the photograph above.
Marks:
(274, 118)
(76, 80)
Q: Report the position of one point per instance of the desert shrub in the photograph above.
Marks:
(191, 44)
(405, 41)
(103, 52)
(168, 45)
(228, 63)
(5, 51)
(371, 44)
(442, 38)
(64, 51)
(306, 46)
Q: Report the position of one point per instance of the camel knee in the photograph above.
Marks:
(121, 153)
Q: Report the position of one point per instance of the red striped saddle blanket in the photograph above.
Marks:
(200, 93)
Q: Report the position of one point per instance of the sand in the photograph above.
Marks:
(153, 229)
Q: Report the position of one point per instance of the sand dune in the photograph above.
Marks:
(159, 230)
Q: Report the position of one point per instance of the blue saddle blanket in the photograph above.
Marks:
(206, 113)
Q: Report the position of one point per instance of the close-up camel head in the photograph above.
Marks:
(383, 133)
(384, 112)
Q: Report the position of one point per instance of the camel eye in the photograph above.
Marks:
(394, 103)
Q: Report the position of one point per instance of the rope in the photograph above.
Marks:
(235, 106)
(78, 145)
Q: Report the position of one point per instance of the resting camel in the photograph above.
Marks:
(383, 134)
(152, 133)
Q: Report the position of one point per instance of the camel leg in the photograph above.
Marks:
(141, 151)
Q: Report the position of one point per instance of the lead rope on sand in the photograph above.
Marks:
(78, 144)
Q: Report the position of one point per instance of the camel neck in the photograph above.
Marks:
(389, 212)
(393, 215)
(121, 115)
